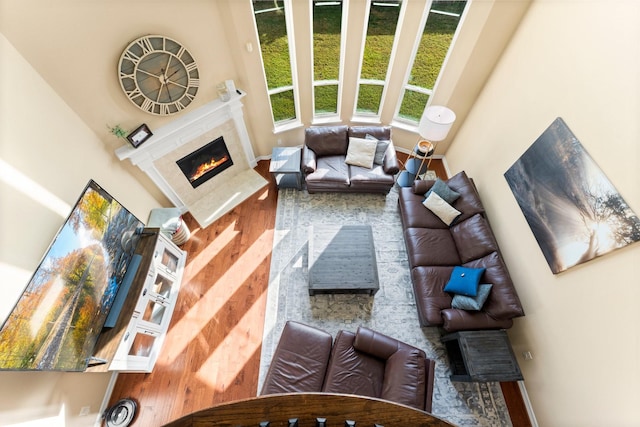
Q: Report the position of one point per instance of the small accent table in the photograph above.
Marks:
(285, 167)
(481, 356)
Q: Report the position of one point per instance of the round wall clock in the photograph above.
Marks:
(158, 75)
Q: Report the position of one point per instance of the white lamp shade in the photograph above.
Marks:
(436, 122)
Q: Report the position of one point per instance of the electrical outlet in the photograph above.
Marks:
(85, 410)
(527, 355)
(279, 141)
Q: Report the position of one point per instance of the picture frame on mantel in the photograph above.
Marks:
(140, 135)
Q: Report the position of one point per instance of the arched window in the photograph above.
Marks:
(435, 41)
(273, 22)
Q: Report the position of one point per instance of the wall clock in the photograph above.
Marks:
(158, 75)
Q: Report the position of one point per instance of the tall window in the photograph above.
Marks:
(440, 27)
(381, 30)
(271, 22)
(327, 31)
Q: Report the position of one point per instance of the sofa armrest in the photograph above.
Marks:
(308, 160)
(375, 343)
(300, 360)
(390, 162)
(408, 378)
(461, 320)
(421, 186)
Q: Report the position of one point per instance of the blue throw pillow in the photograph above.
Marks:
(442, 189)
(472, 303)
(464, 281)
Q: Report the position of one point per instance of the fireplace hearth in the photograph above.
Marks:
(159, 157)
(206, 162)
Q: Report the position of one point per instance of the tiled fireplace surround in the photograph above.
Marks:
(157, 158)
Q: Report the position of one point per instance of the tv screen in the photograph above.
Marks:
(57, 320)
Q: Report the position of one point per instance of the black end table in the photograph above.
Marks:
(481, 356)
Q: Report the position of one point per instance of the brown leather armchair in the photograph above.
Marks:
(364, 363)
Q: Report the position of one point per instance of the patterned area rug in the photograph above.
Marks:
(391, 311)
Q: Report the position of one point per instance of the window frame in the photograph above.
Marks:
(283, 125)
(375, 117)
(410, 124)
(328, 117)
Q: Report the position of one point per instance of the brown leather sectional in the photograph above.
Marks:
(365, 363)
(323, 161)
(434, 248)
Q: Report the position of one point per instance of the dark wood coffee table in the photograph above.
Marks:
(342, 259)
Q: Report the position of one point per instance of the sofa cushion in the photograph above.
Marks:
(464, 302)
(413, 213)
(443, 190)
(327, 140)
(441, 208)
(431, 299)
(503, 301)
(349, 369)
(405, 378)
(473, 238)
(330, 169)
(361, 152)
(430, 247)
(464, 281)
(378, 132)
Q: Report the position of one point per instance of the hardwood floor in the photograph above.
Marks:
(212, 352)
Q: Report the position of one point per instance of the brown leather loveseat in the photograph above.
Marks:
(435, 248)
(325, 153)
(366, 363)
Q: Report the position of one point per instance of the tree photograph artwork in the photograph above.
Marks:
(573, 210)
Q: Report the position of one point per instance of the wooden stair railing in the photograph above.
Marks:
(309, 409)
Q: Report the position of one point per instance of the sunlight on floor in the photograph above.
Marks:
(247, 332)
(188, 327)
(196, 264)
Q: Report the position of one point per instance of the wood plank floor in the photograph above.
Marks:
(212, 352)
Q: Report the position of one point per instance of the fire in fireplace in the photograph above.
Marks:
(206, 162)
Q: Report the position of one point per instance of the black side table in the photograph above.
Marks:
(481, 356)
(285, 167)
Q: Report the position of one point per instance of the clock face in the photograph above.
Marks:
(158, 75)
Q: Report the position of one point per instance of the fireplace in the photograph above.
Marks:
(206, 162)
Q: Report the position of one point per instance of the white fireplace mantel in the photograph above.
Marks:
(156, 157)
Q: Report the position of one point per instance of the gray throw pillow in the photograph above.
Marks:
(381, 149)
(442, 189)
(464, 302)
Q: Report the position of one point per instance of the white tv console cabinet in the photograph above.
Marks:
(134, 342)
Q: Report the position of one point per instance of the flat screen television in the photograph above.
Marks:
(58, 318)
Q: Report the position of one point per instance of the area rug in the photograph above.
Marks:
(391, 311)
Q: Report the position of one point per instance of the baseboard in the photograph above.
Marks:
(527, 404)
(107, 397)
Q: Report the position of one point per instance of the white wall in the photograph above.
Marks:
(577, 60)
(47, 156)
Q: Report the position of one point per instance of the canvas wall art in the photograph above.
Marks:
(574, 211)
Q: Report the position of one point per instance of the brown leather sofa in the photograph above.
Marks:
(366, 363)
(323, 161)
(434, 248)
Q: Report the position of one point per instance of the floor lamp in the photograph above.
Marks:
(434, 127)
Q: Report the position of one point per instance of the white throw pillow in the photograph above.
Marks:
(442, 209)
(361, 152)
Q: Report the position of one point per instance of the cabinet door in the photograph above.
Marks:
(139, 349)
